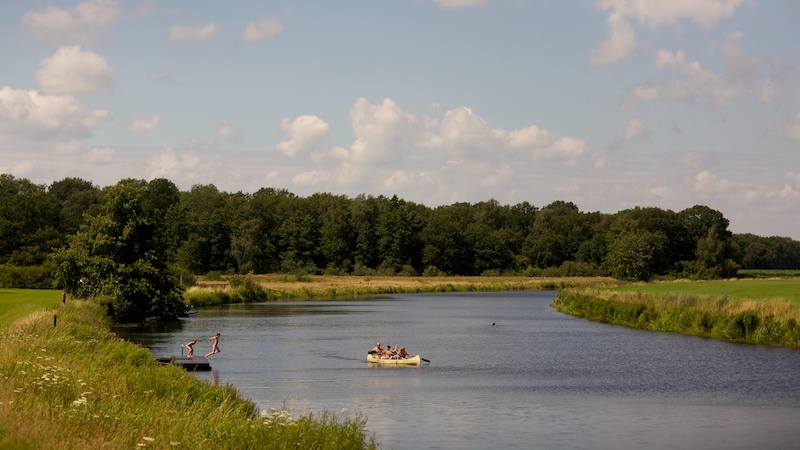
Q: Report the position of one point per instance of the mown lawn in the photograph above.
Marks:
(18, 303)
(749, 289)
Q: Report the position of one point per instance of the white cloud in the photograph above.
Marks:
(692, 82)
(230, 132)
(264, 28)
(93, 119)
(380, 131)
(145, 126)
(705, 13)
(173, 166)
(83, 24)
(620, 43)
(29, 115)
(708, 183)
(621, 40)
(73, 71)
(191, 32)
(308, 135)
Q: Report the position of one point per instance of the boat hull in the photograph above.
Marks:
(412, 361)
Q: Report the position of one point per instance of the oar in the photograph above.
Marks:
(426, 360)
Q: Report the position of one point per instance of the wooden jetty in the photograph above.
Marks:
(194, 364)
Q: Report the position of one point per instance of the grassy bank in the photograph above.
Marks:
(255, 288)
(763, 312)
(76, 386)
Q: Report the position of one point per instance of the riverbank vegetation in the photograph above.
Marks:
(763, 312)
(75, 386)
(258, 288)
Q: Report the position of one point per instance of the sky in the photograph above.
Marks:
(609, 104)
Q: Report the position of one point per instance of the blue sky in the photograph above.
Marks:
(609, 104)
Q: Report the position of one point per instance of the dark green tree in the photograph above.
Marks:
(116, 255)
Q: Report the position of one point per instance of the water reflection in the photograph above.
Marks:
(536, 378)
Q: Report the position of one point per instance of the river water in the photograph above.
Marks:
(506, 371)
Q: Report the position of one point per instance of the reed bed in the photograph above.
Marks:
(75, 385)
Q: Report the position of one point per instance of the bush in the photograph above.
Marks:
(27, 277)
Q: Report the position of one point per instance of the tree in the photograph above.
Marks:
(630, 254)
(117, 255)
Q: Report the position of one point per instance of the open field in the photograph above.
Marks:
(18, 303)
(786, 289)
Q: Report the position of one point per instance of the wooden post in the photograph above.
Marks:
(55, 320)
(63, 298)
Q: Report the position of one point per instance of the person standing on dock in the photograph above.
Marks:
(215, 347)
(190, 346)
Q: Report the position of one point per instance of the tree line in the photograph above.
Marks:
(205, 230)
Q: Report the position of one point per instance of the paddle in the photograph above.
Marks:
(426, 360)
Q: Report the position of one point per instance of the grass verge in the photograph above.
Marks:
(747, 311)
(75, 386)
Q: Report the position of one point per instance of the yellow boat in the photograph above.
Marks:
(410, 361)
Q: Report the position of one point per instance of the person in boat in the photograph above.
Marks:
(402, 353)
(387, 353)
(190, 346)
(377, 350)
(215, 347)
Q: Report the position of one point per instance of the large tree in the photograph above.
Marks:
(117, 255)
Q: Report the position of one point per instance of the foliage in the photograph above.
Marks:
(120, 254)
(272, 230)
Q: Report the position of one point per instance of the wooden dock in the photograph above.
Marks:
(194, 364)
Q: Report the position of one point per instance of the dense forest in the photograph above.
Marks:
(205, 230)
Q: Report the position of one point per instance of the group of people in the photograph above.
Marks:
(214, 346)
(388, 352)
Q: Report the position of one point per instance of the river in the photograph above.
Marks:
(506, 371)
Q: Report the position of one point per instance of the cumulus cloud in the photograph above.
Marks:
(465, 134)
(621, 40)
(619, 44)
(81, 25)
(264, 28)
(381, 131)
(708, 183)
(145, 126)
(308, 135)
(30, 115)
(74, 71)
(705, 13)
(191, 32)
(171, 165)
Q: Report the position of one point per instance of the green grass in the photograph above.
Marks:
(76, 385)
(787, 289)
(18, 303)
